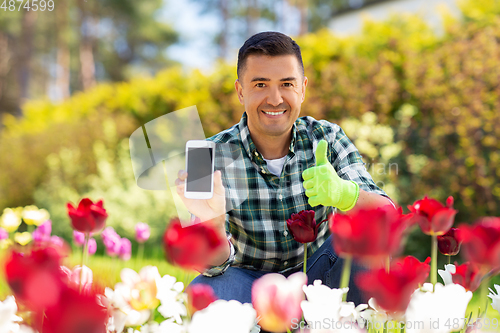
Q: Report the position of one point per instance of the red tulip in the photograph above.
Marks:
(35, 278)
(468, 275)
(392, 290)
(75, 312)
(368, 235)
(481, 242)
(192, 247)
(449, 243)
(88, 217)
(199, 297)
(432, 216)
(303, 226)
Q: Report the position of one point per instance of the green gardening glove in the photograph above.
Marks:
(323, 185)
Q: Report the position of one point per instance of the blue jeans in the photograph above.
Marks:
(324, 264)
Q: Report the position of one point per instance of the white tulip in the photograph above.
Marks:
(495, 298)
(172, 305)
(324, 309)
(447, 274)
(8, 318)
(441, 311)
(224, 317)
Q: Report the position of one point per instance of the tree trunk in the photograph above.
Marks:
(63, 53)
(304, 28)
(87, 63)
(4, 61)
(24, 56)
(251, 17)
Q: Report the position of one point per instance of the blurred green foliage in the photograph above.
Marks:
(427, 103)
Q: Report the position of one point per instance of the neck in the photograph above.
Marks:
(272, 147)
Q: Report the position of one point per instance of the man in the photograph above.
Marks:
(278, 151)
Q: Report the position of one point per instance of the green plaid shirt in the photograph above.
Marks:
(259, 203)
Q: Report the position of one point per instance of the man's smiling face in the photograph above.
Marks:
(272, 89)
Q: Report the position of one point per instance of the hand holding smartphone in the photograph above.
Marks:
(200, 169)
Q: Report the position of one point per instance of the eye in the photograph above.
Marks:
(287, 84)
(260, 85)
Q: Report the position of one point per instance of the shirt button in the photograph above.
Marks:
(263, 170)
(256, 154)
(280, 197)
(285, 263)
(285, 233)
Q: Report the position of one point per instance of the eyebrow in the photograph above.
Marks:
(291, 78)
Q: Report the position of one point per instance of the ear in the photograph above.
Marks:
(304, 85)
(239, 91)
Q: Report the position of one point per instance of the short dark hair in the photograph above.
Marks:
(269, 43)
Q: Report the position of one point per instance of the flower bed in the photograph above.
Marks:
(50, 297)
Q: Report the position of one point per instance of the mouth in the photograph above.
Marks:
(274, 113)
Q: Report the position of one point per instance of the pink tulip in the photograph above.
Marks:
(142, 232)
(92, 246)
(111, 241)
(57, 241)
(46, 227)
(277, 300)
(3, 234)
(125, 249)
(39, 236)
(79, 237)
(73, 277)
(42, 233)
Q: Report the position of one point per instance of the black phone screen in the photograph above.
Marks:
(199, 169)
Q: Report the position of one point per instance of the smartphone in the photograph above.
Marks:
(200, 169)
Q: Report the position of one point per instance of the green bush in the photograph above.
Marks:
(113, 181)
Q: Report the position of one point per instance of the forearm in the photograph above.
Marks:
(370, 200)
(219, 223)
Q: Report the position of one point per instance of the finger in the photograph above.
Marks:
(308, 184)
(308, 173)
(311, 193)
(179, 182)
(321, 153)
(182, 175)
(218, 186)
(314, 201)
(180, 188)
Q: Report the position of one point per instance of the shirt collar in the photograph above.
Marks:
(247, 142)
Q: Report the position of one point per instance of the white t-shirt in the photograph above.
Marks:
(275, 166)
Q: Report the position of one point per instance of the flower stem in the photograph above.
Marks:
(84, 258)
(140, 252)
(449, 260)
(305, 258)
(346, 274)
(288, 330)
(483, 295)
(434, 256)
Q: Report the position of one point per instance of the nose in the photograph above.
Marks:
(274, 97)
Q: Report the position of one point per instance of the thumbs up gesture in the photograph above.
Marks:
(323, 185)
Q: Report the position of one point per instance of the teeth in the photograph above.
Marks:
(274, 113)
